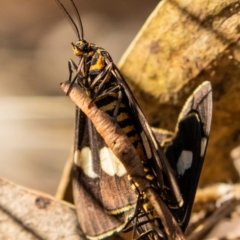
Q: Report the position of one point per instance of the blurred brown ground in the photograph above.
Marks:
(36, 119)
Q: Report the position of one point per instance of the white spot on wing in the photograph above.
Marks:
(110, 163)
(146, 145)
(184, 161)
(83, 159)
(203, 146)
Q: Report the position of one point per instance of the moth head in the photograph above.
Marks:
(81, 47)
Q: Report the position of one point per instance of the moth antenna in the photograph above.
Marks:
(70, 19)
(80, 29)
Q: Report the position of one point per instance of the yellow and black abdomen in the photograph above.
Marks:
(125, 119)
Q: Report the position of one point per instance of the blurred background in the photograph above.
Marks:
(36, 119)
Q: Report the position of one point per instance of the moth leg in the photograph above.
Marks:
(119, 100)
(142, 224)
(133, 219)
(71, 65)
(107, 92)
(103, 77)
(101, 85)
(80, 73)
(105, 72)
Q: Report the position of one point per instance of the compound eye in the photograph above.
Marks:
(84, 47)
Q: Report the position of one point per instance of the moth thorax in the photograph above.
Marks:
(97, 63)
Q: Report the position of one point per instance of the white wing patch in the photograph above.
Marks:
(203, 146)
(110, 164)
(184, 161)
(83, 159)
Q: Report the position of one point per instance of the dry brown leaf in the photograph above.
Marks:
(182, 44)
(216, 213)
(32, 215)
(27, 214)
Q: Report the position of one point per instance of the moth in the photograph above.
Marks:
(104, 197)
(98, 173)
(189, 148)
